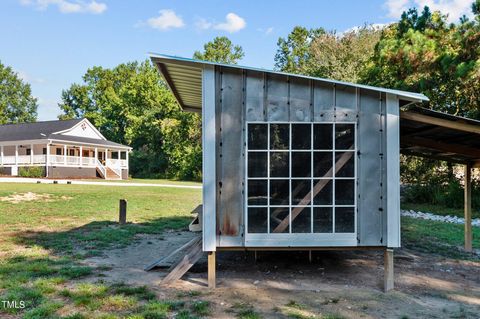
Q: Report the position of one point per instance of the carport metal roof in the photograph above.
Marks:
(438, 135)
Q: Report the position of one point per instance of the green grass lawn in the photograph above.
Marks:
(43, 244)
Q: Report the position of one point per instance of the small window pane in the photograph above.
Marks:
(301, 192)
(257, 192)
(279, 217)
(348, 169)
(322, 220)
(301, 164)
(344, 220)
(322, 136)
(301, 220)
(344, 190)
(301, 136)
(324, 189)
(344, 136)
(257, 220)
(322, 164)
(279, 136)
(257, 136)
(257, 164)
(279, 192)
(279, 164)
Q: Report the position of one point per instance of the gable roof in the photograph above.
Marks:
(35, 130)
(184, 77)
(51, 130)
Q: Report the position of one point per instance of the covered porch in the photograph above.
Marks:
(110, 162)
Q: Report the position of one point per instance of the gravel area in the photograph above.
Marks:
(440, 218)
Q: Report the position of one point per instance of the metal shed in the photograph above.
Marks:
(293, 162)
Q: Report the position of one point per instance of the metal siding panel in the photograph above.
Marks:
(393, 170)
(277, 98)
(231, 161)
(209, 168)
(254, 96)
(323, 102)
(345, 104)
(370, 214)
(300, 100)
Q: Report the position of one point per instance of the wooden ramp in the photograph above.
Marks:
(193, 252)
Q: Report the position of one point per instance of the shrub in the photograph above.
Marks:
(31, 171)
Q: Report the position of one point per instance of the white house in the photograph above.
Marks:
(63, 148)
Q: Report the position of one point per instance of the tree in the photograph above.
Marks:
(423, 53)
(317, 52)
(222, 50)
(130, 104)
(16, 101)
(294, 54)
(343, 57)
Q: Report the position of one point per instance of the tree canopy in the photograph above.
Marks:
(16, 101)
(423, 53)
(220, 49)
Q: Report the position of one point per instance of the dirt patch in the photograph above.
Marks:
(17, 198)
(286, 284)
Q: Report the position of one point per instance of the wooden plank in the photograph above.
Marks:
(194, 254)
(211, 270)
(468, 207)
(190, 243)
(454, 125)
(316, 189)
(388, 270)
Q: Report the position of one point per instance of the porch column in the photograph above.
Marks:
(65, 154)
(31, 153)
(81, 155)
(1, 155)
(106, 156)
(126, 158)
(96, 155)
(468, 207)
(47, 160)
(16, 154)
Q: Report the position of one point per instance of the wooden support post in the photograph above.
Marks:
(211, 270)
(468, 207)
(122, 214)
(388, 269)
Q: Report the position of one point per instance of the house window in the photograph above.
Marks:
(301, 178)
(58, 151)
(28, 151)
(44, 151)
(71, 152)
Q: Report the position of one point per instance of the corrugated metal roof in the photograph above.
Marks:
(184, 77)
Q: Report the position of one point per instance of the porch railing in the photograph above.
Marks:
(61, 160)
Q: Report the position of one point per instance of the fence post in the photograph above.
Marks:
(122, 215)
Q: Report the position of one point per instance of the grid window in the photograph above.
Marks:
(301, 178)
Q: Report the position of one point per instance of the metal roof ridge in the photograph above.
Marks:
(414, 95)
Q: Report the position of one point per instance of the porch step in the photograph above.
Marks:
(111, 174)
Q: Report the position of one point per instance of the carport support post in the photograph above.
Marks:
(468, 207)
(388, 269)
(211, 270)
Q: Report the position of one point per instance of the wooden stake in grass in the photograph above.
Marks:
(122, 213)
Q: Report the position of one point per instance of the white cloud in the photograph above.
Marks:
(29, 79)
(233, 23)
(454, 8)
(373, 26)
(266, 31)
(68, 6)
(47, 109)
(167, 19)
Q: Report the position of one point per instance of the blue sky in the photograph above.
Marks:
(51, 43)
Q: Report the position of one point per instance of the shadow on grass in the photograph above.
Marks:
(92, 238)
